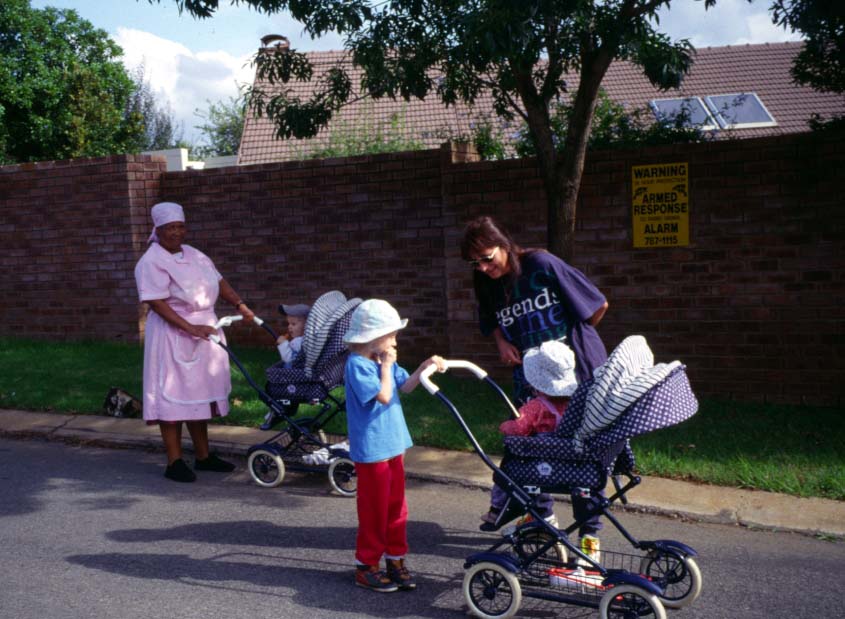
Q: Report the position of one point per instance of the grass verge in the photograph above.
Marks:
(797, 450)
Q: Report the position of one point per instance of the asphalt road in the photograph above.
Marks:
(95, 533)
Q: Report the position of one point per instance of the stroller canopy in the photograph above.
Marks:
(325, 312)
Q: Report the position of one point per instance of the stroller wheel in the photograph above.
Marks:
(342, 477)
(529, 541)
(679, 576)
(491, 591)
(627, 601)
(266, 467)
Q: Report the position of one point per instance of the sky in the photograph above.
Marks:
(190, 62)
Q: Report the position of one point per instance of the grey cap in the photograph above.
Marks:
(294, 310)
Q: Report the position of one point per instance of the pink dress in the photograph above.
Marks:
(182, 374)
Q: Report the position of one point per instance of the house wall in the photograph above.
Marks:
(752, 305)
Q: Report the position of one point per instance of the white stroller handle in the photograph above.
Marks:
(227, 321)
(425, 379)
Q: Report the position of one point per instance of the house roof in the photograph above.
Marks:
(762, 69)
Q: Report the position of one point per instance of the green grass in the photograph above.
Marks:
(792, 449)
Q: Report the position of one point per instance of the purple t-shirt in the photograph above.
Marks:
(550, 300)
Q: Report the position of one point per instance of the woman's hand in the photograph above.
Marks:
(247, 313)
(508, 353)
(200, 331)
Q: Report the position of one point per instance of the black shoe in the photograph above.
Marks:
(179, 471)
(270, 420)
(213, 463)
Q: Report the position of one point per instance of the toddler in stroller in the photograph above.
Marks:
(550, 371)
(310, 379)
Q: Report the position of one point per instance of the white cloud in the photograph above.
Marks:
(184, 79)
(729, 22)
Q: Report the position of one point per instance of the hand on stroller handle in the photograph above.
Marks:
(226, 321)
(425, 379)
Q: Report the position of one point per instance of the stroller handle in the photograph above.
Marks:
(226, 321)
(425, 377)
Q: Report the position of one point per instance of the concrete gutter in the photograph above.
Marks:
(665, 496)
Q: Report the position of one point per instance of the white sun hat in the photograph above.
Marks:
(550, 368)
(372, 319)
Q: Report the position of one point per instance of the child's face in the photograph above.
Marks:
(296, 326)
(382, 345)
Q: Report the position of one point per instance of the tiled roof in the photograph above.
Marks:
(762, 69)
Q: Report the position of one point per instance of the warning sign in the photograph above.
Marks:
(660, 204)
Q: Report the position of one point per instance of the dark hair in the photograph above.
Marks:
(484, 232)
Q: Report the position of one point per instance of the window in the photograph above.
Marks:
(688, 111)
(739, 111)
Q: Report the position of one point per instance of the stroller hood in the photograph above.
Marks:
(325, 312)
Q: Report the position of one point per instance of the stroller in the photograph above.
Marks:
(536, 559)
(301, 443)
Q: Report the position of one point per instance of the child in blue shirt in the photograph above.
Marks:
(378, 438)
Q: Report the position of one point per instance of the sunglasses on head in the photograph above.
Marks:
(484, 259)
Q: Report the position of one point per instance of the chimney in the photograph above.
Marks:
(281, 43)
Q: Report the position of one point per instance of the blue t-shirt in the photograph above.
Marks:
(376, 431)
(550, 300)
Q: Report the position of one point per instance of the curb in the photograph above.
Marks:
(668, 497)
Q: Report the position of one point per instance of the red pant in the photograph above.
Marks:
(382, 510)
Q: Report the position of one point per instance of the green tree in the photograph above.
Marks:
(223, 127)
(821, 64)
(161, 129)
(615, 127)
(63, 91)
(520, 52)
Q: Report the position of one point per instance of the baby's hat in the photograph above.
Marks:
(550, 368)
(294, 310)
(372, 319)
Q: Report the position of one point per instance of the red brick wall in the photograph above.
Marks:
(368, 226)
(70, 233)
(752, 306)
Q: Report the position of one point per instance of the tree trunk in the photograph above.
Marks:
(562, 180)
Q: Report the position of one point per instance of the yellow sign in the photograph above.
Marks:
(660, 204)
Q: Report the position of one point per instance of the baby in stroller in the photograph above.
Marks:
(291, 341)
(550, 370)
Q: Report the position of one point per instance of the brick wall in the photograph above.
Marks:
(368, 226)
(71, 232)
(752, 306)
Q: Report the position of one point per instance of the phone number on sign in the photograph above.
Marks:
(661, 240)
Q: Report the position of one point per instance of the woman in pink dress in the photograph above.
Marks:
(186, 376)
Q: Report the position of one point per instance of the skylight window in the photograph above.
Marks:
(740, 111)
(686, 111)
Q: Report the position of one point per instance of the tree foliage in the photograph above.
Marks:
(223, 127)
(160, 129)
(821, 64)
(63, 91)
(457, 50)
(615, 127)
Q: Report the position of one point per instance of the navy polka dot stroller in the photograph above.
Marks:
(300, 442)
(628, 396)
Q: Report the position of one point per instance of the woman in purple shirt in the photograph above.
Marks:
(527, 297)
(530, 296)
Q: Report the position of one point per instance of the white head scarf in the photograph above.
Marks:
(165, 213)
